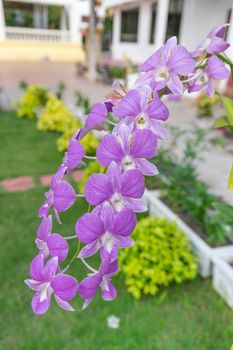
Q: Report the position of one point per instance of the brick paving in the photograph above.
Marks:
(25, 183)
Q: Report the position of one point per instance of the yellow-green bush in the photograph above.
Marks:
(161, 256)
(57, 117)
(33, 98)
(93, 167)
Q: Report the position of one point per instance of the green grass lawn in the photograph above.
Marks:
(191, 317)
(25, 150)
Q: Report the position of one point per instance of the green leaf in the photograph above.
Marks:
(221, 122)
(226, 211)
(228, 107)
(230, 180)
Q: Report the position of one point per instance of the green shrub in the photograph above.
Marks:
(117, 72)
(33, 98)
(92, 167)
(160, 256)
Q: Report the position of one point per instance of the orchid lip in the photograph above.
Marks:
(128, 163)
(117, 202)
(142, 121)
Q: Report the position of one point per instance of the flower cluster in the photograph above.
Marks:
(116, 195)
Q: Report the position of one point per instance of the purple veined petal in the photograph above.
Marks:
(210, 88)
(107, 215)
(114, 176)
(57, 216)
(146, 167)
(43, 248)
(89, 249)
(123, 133)
(195, 86)
(109, 269)
(143, 80)
(129, 105)
(98, 189)
(125, 242)
(96, 116)
(145, 93)
(109, 150)
(170, 44)
(158, 129)
(40, 307)
(89, 228)
(144, 144)
(45, 227)
(124, 223)
(89, 286)
(157, 109)
(86, 303)
(65, 287)
(158, 83)
(107, 256)
(152, 62)
(57, 246)
(44, 209)
(64, 196)
(218, 31)
(109, 293)
(180, 61)
(50, 268)
(132, 184)
(108, 105)
(216, 69)
(217, 45)
(36, 268)
(32, 284)
(57, 177)
(175, 85)
(75, 154)
(137, 205)
(64, 304)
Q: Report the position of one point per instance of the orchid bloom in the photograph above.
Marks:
(121, 190)
(46, 281)
(166, 66)
(129, 149)
(102, 278)
(50, 243)
(106, 232)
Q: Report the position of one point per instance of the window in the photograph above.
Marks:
(129, 25)
(153, 22)
(174, 18)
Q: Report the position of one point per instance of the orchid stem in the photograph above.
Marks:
(72, 259)
(110, 122)
(70, 237)
(81, 195)
(90, 157)
(88, 266)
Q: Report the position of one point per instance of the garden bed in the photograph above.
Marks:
(214, 261)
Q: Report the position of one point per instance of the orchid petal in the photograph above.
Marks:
(57, 246)
(64, 304)
(98, 189)
(109, 150)
(89, 227)
(40, 307)
(132, 184)
(64, 286)
(144, 144)
(124, 223)
(64, 196)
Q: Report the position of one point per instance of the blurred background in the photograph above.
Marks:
(58, 58)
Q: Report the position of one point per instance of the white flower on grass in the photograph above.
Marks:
(113, 322)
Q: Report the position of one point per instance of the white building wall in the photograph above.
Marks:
(199, 17)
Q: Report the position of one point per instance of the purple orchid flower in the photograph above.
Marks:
(50, 243)
(61, 195)
(75, 153)
(45, 281)
(102, 278)
(166, 66)
(134, 108)
(121, 190)
(215, 70)
(129, 149)
(94, 119)
(214, 42)
(106, 232)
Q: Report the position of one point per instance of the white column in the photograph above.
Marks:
(144, 23)
(74, 22)
(116, 33)
(63, 21)
(37, 16)
(2, 21)
(161, 22)
(45, 20)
